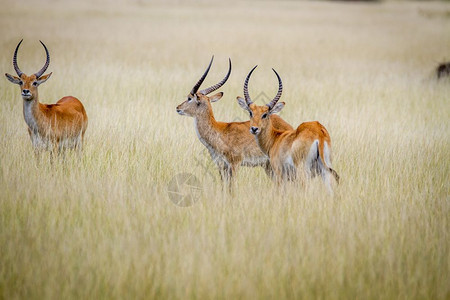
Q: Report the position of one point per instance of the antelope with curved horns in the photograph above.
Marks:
(307, 148)
(51, 126)
(229, 144)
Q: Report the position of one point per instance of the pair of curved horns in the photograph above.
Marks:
(214, 87)
(41, 71)
(272, 103)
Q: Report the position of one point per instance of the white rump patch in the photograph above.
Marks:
(327, 154)
(311, 162)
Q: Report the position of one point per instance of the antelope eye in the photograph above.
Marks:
(189, 99)
(251, 115)
(264, 116)
(35, 83)
(20, 82)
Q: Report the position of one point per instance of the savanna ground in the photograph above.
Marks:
(104, 226)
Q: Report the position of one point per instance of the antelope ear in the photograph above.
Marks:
(279, 106)
(13, 79)
(43, 78)
(242, 103)
(216, 97)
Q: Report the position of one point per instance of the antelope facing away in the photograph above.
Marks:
(51, 127)
(229, 144)
(303, 152)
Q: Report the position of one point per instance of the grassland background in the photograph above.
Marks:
(104, 227)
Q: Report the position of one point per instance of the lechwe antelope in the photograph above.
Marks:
(51, 126)
(308, 148)
(229, 144)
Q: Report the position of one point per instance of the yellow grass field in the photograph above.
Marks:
(103, 225)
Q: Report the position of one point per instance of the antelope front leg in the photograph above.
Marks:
(227, 175)
(277, 170)
(228, 170)
(222, 169)
(56, 150)
(39, 145)
(231, 172)
(269, 171)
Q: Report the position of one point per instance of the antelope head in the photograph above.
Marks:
(259, 115)
(198, 102)
(29, 84)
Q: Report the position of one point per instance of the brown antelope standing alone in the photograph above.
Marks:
(229, 144)
(51, 126)
(308, 148)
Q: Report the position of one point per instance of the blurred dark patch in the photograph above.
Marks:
(428, 13)
(443, 70)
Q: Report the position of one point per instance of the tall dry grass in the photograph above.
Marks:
(104, 227)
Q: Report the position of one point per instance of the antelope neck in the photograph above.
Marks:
(266, 138)
(30, 110)
(206, 125)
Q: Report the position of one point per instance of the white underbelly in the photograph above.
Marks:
(255, 161)
(40, 142)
